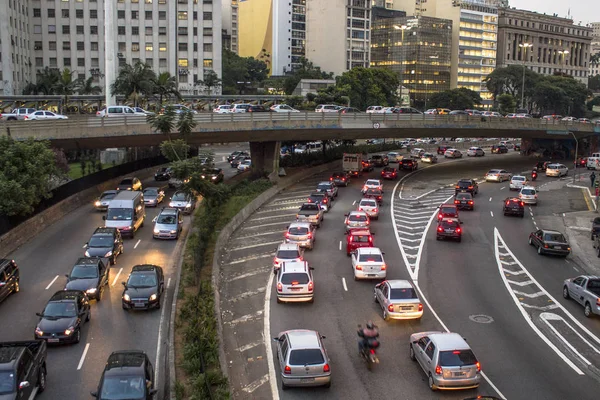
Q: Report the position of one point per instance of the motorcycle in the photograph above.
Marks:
(368, 352)
(534, 175)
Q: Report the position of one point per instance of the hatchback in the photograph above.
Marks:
(102, 203)
(339, 179)
(528, 195)
(295, 282)
(128, 374)
(446, 359)
(223, 109)
(517, 182)
(287, 252)
(371, 184)
(448, 211)
(398, 300)
(105, 242)
(144, 288)
(379, 160)
(356, 220)
(168, 224)
(240, 108)
(394, 157)
(358, 238)
(328, 108)
(497, 175)
(389, 173)
(369, 206)
(183, 201)
(499, 149)
(449, 228)
(464, 201)
(557, 170)
(513, 206)
(89, 275)
(475, 152)
(153, 196)
(376, 194)
(452, 153)
(131, 183)
(429, 158)
(302, 359)
(302, 234)
(63, 317)
(368, 263)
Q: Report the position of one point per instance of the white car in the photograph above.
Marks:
(372, 184)
(370, 207)
(368, 263)
(497, 175)
(557, 170)
(43, 115)
(398, 300)
(283, 108)
(374, 110)
(394, 157)
(475, 152)
(517, 182)
(452, 153)
(223, 109)
(119, 111)
(240, 108)
(431, 111)
(429, 158)
(244, 165)
(287, 252)
(569, 119)
(528, 195)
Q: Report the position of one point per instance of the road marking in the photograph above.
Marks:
(256, 384)
(278, 209)
(563, 214)
(244, 295)
(138, 242)
(524, 283)
(340, 245)
(267, 339)
(530, 295)
(490, 199)
(248, 275)
(503, 187)
(258, 234)
(263, 225)
(51, 283)
(492, 213)
(117, 277)
(168, 283)
(249, 258)
(410, 233)
(246, 317)
(273, 217)
(541, 308)
(555, 317)
(161, 324)
(87, 346)
(252, 246)
(344, 283)
(354, 202)
(513, 272)
(84, 246)
(249, 346)
(544, 317)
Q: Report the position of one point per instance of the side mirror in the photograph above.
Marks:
(323, 337)
(87, 245)
(276, 339)
(23, 385)
(383, 253)
(153, 392)
(39, 314)
(67, 275)
(124, 284)
(345, 215)
(312, 268)
(94, 394)
(104, 218)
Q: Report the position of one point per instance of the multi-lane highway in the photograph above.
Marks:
(74, 370)
(492, 288)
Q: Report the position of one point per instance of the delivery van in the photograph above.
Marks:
(126, 212)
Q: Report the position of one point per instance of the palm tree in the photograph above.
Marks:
(165, 85)
(211, 80)
(66, 85)
(46, 80)
(87, 87)
(136, 79)
(186, 123)
(164, 123)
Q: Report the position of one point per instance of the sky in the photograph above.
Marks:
(581, 10)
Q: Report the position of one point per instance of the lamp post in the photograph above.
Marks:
(575, 158)
(562, 57)
(524, 46)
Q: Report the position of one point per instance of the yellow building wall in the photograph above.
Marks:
(255, 28)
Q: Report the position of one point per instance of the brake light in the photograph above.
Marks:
(458, 187)
(370, 239)
(360, 209)
(294, 283)
(372, 351)
(279, 287)
(383, 267)
(343, 179)
(438, 370)
(364, 188)
(330, 179)
(440, 229)
(508, 203)
(359, 267)
(391, 308)
(287, 235)
(470, 201)
(456, 352)
(522, 204)
(326, 368)
(310, 286)
(458, 230)
(287, 370)
(310, 200)
(598, 301)
(310, 235)
(439, 216)
(470, 187)
(456, 202)
(545, 246)
(420, 307)
(478, 365)
(275, 261)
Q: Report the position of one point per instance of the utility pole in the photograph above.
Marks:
(524, 46)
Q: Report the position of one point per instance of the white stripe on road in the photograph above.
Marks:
(87, 346)
(503, 187)
(117, 277)
(340, 245)
(249, 346)
(157, 363)
(51, 283)
(344, 283)
(490, 199)
(248, 274)
(354, 203)
(252, 246)
(249, 258)
(492, 213)
(256, 384)
(168, 283)
(138, 242)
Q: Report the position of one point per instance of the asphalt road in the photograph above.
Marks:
(75, 370)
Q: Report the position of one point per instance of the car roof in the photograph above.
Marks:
(445, 341)
(369, 250)
(447, 219)
(303, 339)
(87, 261)
(288, 246)
(551, 231)
(169, 211)
(448, 205)
(519, 176)
(9, 355)
(399, 284)
(357, 213)
(512, 199)
(105, 231)
(145, 268)
(294, 266)
(299, 225)
(125, 362)
(110, 192)
(152, 188)
(373, 180)
(464, 194)
(529, 187)
(319, 194)
(465, 180)
(360, 232)
(65, 295)
(369, 199)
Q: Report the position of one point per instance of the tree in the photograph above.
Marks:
(25, 171)
(454, 99)
(506, 103)
(186, 123)
(211, 80)
(234, 70)
(60, 159)
(368, 86)
(594, 83)
(510, 80)
(46, 80)
(165, 86)
(164, 123)
(256, 71)
(175, 150)
(471, 94)
(66, 85)
(87, 87)
(305, 70)
(549, 97)
(133, 80)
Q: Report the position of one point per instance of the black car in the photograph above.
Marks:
(321, 198)
(595, 228)
(106, 243)
(464, 201)
(257, 109)
(9, 278)
(339, 179)
(513, 206)
(368, 165)
(63, 317)
(349, 110)
(379, 160)
(215, 175)
(467, 185)
(145, 285)
(163, 174)
(89, 275)
(447, 211)
(409, 164)
(550, 242)
(499, 149)
(128, 374)
(449, 228)
(237, 153)
(237, 160)
(376, 194)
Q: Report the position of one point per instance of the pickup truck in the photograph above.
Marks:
(585, 289)
(17, 113)
(310, 212)
(22, 369)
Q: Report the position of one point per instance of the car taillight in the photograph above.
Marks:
(287, 370)
(391, 308)
(364, 188)
(439, 216)
(508, 203)
(330, 179)
(370, 239)
(310, 235)
(359, 267)
(275, 261)
(279, 287)
(420, 307)
(470, 187)
(522, 204)
(360, 209)
(456, 202)
(478, 365)
(438, 370)
(326, 368)
(310, 286)
(545, 246)
(309, 200)
(598, 301)
(368, 222)
(440, 229)
(343, 179)
(458, 230)
(287, 235)
(470, 201)
(383, 267)
(294, 283)
(458, 187)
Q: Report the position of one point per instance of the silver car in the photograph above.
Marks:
(102, 203)
(302, 359)
(398, 300)
(287, 252)
(446, 359)
(168, 224)
(328, 187)
(356, 220)
(372, 184)
(302, 234)
(370, 207)
(368, 263)
(183, 201)
(295, 282)
(497, 175)
(528, 195)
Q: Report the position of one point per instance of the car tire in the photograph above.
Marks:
(42, 379)
(539, 250)
(327, 385)
(158, 304)
(385, 315)
(530, 241)
(587, 310)
(284, 386)
(411, 353)
(598, 251)
(459, 239)
(113, 259)
(99, 295)
(566, 292)
(77, 336)
(431, 383)
(88, 316)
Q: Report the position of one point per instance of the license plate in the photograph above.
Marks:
(406, 308)
(53, 340)
(463, 202)
(449, 231)
(294, 288)
(307, 380)
(371, 274)
(460, 374)
(140, 305)
(558, 247)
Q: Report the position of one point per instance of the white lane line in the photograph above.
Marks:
(340, 245)
(513, 272)
(272, 217)
(138, 242)
(267, 339)
(168, 283)
(87, 346)
(524, 283)
(503, 187)
(161, 327)
(354, 202)
(51, 283)
(492, 213)
(249, 346)
(246, 237)
(541, 308)
(247, 317)
(344, 283)
(563, 214)
(251, 246)
(248, 274)
(555, 317)
(117, 277)
(249, 258)
(83, 246)
(490, 199)
(256, 384)
(543, 317)
(530, 295)
(244, 228)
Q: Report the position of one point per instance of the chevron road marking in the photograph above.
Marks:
(524, 283)
(530, 295)
(544, 308)
(512, 272)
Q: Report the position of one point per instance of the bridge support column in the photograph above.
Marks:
(265, 159)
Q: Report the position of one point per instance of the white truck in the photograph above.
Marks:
(585, 290)
(17, 114)
(352, 164)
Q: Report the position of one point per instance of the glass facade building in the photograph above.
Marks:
(419, 49)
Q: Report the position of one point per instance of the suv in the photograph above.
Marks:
(339, 179)
(446, 359)
(168, 224)
(528, 195)
(448, 211)
(295, 282)
(302, 234)
(464, 201)
(9, 278)
(128, 374)
(467, 185)
(449, 228)
(106, 243)
(358, 238)
(499, 149)
(379, 160)
(302, 359)
(287, 252)
(513, 206)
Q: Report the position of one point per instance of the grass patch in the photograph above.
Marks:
(75, 171)
(198, 371)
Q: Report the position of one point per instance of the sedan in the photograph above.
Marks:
(153, 196)
(497, 175)
(214, 175)
(102, 203)
(183, 201)
(44, 115)
(557, 170)
(356, 220)
(372, 184)
(339, 179)
(429, 158)
(144, 288)
(63, 317)
(453, 153)
(449, 228)
(369, 206)
(517, 182)
(245, 165)
(90, 275)
(283, 108)
(376, 194)
(389, 173)
(398, 300)
(131, 183)
(475, 152)
(163, 174)
(550, 242)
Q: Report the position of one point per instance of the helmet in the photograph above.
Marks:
(370, 325)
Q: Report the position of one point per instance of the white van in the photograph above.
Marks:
(119, 111)
(327, 108)
(593, 161)
(126, 212)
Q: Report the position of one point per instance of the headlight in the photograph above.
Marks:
(107, 254)
(69, 330)
(97, 204)
(173, 231)
(171, 204)
(151, 201)
(156, 231)
(39, 332)
(87, 253)
(153, 297)
(126, 297)
(92, 290)
(213, 178)
(203, 176)
(188, 205)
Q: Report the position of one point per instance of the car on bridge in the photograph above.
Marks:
(332, 108)
(349, 110)
(43, 115)
(283, 108)
(375, 110)
(223, 109)
(119, 111)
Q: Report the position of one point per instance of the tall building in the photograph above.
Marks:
(419, 49)
(181, 37)
(229, 13)
(595, 49)
(15, 48)
(543, 43)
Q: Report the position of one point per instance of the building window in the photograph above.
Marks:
(94, 46)
(150, 62)
(162, 63)
(135, 30)
(183, 62)
(135, 14)
(121, 14)
(37, 12)
(182, 30)
(183, 79)
(66, 29)
(79, 29)
(135, 47)
(182, 15)
(93, 14)
(148, 15)
(95, 63)
(65, 13)
(195, 15)
(207, 47)
(149, 47)
(162, 47)
(182, 46)
(37, 29)
(208, 63)
(162, 15)
(51, 13)
(207, 31)
(80, 46)
(122, 47)
(53, 62)
(94, 29)
(38, 45)
(162, 30)
(66, 45)
(207, 16)
(51, 28)
(120, 30)
(67, 62)
(78, 13)
(52, 45)
(39, 62)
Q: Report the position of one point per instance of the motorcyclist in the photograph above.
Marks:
(534, 174)
(367, 334)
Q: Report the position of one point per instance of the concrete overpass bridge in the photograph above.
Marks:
(265, 131)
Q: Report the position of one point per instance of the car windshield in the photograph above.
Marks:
(427, 155)
(141, 280)
(519, 178)
(126, 182)
(123, 388)
(449, 224)
(402, 294)
(360, 238)
(528, 192)
(151, 192)
(168, 219)
(288, 254)
(554, 237)
(464, 183)
(309, 207)
(298, 278)
(179, 196)
(463, 196)
(368, 203)
(298, 230)
(84, 272)
(359, 218)
(107, 196)
(306, 357)
(457, 358)
(101, 241)
(323, 186)
(493, 172)
(448, 210)
(370, 258)
(119, 214)
(60, 310)
(7, 382)
(164, 169)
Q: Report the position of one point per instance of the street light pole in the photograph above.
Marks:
(524, 46)
(575, 158)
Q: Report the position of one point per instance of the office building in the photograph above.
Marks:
(419, 49)
(543, 43)
(229, 14)
(595, 49)
(181, 37)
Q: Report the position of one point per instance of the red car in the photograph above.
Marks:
(447, 211)
(376, 194)
(389, 173)
(358, 238)
(442, 149)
